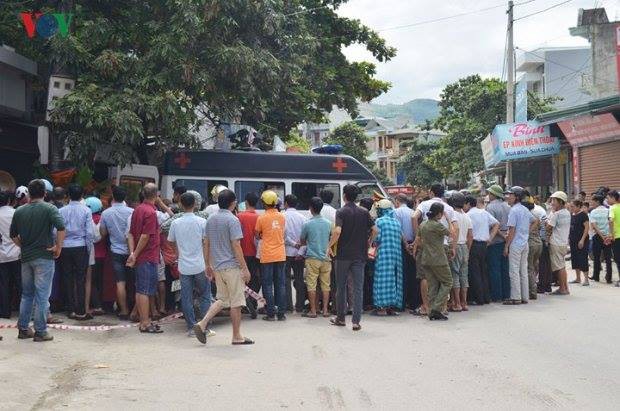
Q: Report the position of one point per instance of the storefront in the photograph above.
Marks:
(593, 132)
(19, 150)
(530, 148)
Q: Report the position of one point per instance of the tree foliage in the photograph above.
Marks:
(469, 110)
(295, 141)
(416, 167)
(149, 72)
(352, 139)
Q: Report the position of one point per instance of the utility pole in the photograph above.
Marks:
(510, 86)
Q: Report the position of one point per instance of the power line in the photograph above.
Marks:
(466, 13)
(543, 10)
(306, 11)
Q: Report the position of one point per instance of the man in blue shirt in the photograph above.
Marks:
(315, 236)
(411, 286)
(113, 223)
(75, 252)
(516, 249)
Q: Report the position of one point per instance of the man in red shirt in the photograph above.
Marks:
(144, 255)
(248, 224)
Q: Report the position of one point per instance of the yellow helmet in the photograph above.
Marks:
(269, 198)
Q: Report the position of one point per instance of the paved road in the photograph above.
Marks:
(557, 352)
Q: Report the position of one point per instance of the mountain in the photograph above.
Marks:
(418, 110)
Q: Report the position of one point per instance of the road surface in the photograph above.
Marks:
(557, 352)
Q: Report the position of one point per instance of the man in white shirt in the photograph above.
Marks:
(328, 211)
(436, 193)
(9, 256)
(294, 258)
(459, 264)
(484, 228)
(558, 230)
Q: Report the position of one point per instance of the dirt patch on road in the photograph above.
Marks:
(65, 382)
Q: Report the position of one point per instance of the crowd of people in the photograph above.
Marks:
(428, 256)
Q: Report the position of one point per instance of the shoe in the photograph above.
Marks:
(585, 284)
(42, 337)
(268, 318)
(437, 316)
(608, 281)
(199, 334)
(210, 333)
(281, 318)
(54, 320)
(617, 284)
(25, 334)
(191, 334)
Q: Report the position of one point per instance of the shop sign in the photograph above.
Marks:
(517, 141)
(589, 129)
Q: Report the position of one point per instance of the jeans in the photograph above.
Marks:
(74, 262)
(297, 267)
(36, 289)
(9, 284)
(598, 248)
(202, 285)
(354, 269)
(478, 273)
(271, 272)
(499, 280)
(519, 282)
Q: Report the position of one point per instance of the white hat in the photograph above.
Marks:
(385, 203)
(560, 195)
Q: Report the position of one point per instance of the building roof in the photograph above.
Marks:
(588, 17)
(9, 57)
(595, 106)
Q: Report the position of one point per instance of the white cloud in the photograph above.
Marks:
(433, 55)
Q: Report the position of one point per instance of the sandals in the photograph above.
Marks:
(308, 315)
(392, 313)
(199, 333)
(151, 329)
(337, 322)
(512, 302)
(246, 341)
(84, 317)
(54, 320)
(418, 313)
(453, 310)
(356, 327)
(97, 312)
(558, 292)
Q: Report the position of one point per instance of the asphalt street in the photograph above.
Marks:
(557, 352)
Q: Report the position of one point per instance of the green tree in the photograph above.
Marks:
(416, 167)
(352, 139)
(469, 110)
(148, 72)
(296, 141)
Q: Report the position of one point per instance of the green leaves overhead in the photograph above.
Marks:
(142, 67)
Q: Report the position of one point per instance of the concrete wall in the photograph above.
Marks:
(604, 71)
(12, 91)
(564, 73)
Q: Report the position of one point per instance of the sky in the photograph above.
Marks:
(432, 55)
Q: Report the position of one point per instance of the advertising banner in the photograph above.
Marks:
(517, 141)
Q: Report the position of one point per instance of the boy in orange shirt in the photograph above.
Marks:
(270, 230)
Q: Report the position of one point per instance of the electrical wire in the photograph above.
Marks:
(542, 11)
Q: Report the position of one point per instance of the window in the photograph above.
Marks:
(203, 187)
(366, 190)
(57, 84)
(133, 185)
(305, 191)
(67, 86)
(242, 188)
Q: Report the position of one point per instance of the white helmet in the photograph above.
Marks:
(21, 192)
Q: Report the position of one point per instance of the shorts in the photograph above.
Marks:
(121, 271)
(146, 278)
(556, 255)
(459, 267)
(317, 270)
(230, 288)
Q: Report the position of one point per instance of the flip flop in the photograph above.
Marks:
(308, 315)
(558, 292)
(512, 302)
(418, 313)
(337, 322)
(375, 313)
(151, 329)
(54, 320)
(200, 334)
(246, 341)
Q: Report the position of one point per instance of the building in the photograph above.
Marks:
(387, 147)
(562, 72)
(604, 38)
(22, 141)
